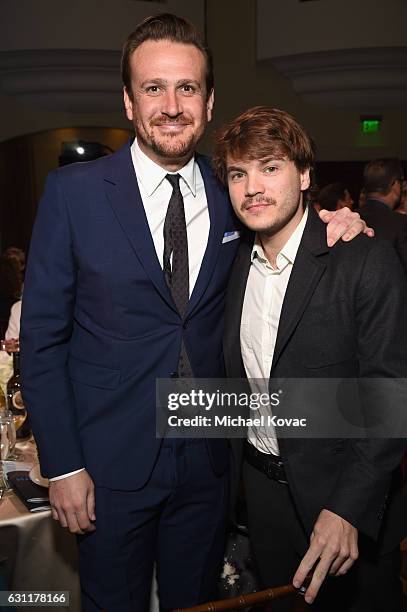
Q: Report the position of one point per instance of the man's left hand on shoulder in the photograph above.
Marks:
(343, 224)
(334, 542)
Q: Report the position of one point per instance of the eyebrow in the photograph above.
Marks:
(262, 162)
(189, 82)
(158, 81)
(154, 82)
(234, 169)
(274, 158)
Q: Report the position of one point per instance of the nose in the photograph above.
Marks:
(254, 185)
(171, 104)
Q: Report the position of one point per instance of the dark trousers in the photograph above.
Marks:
(177, 520)
(279, 542)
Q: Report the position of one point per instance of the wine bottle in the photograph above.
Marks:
(15, 401)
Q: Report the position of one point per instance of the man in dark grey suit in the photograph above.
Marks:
(383, 180)
(298, 309)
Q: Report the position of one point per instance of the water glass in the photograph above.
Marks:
(7, 435)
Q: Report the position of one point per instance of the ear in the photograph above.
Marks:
(209, 105)
(305, 180)
(128, 105)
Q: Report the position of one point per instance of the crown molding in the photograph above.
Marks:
(65, 80)
(366, 80)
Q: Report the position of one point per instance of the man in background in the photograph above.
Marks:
(334, 197)
(382, 181)
(402, 207)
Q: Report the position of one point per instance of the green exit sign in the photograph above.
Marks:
(370, 125)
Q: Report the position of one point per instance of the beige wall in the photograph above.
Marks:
(80, 24)
(304, 27)
(240, 80)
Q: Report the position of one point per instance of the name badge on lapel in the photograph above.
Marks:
(229, 236)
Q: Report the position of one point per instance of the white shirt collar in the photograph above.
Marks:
(289, 250)
(151, 175)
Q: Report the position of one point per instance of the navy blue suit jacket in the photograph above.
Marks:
(99, 324)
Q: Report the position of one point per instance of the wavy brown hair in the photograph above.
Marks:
(263, 132)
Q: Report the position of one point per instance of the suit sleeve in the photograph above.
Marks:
(46, 327)
(381, 316)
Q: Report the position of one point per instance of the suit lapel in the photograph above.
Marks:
(124, 196)
(218, 209)
(308, 268)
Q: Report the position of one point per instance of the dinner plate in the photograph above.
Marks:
(35, 476)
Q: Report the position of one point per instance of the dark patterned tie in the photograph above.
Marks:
(177, 271)
(176, 244)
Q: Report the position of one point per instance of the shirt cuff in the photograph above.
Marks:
(66, 475)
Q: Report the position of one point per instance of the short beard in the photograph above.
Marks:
(286, 215)
(278, 225)
(177, 150)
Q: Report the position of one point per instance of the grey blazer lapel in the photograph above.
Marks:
(308, 268)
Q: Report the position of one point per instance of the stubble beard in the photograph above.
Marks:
(283, 216)
(171, 146)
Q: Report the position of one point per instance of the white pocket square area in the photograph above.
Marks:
(229, 236)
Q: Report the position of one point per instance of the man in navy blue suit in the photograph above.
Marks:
(103, 318)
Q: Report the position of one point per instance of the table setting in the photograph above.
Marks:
(36, 553)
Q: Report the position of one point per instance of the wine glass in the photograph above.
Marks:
(12, 435)
(7, 436)
(7, 443)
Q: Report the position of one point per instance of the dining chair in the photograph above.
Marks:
(253, 600)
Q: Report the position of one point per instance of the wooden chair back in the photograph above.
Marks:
(249, 601)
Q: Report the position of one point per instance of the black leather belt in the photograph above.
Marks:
(269, 464)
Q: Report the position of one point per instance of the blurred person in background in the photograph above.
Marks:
(17, 257)
(382, 181)
(402, 207)
(362, 198)
(10, 288)
(334, 197)
(13, 327)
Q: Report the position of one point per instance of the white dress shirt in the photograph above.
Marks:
(263, 300)
(156, 193)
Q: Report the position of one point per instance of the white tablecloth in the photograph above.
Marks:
(36, 553)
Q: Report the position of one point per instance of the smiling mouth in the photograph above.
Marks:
(172, 126)
(170, 122)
